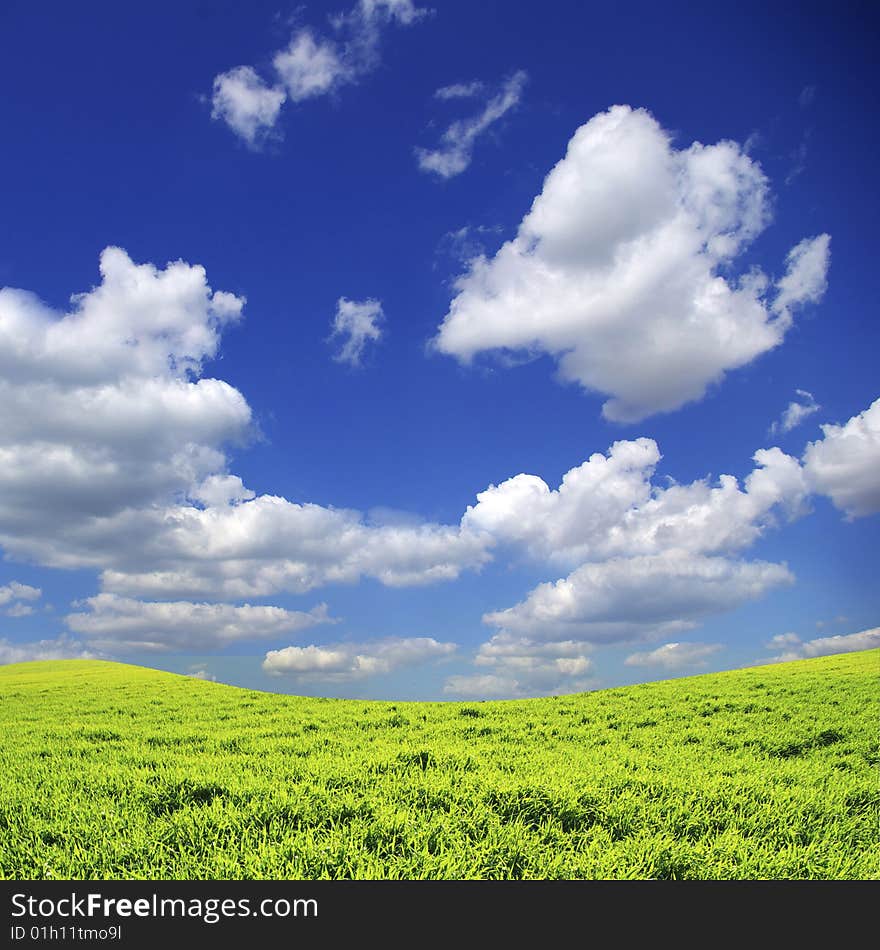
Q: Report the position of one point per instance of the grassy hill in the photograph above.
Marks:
(110, 771)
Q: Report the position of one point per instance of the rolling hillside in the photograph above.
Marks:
(110, 771)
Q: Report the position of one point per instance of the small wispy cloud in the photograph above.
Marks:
(806, 275)
(311, 65)
(18, 597)
(796, 411)
(807, 96)
(357, 323)
(455, 151)
(840, 618)
(460, 90)
(798, 158)
(467, 243)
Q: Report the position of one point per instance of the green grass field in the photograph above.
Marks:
(109, 771)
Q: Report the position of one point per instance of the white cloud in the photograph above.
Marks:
(456, 147)
(798, 161)
(309, 66)
(63, 648)
(796, 412)
(501, 649)
(783, 640)
(823, 646)
(348, 661)
(608, 507)
(261, 547)
(521, 666)
(842, 643)
(356, 323)
(590, 504)
(649, 561)
(542, 645)
(360, 31)
(460, 90)
(20, 598)
(246, 104)
(658, 582)
(17, 591)
(217, 491)
(845, 463)
(636, 598)
(120, 624)
(140, 321)
(404, 11)
(676, 656)
(101, 410)
(465, 243)
(200, 673)
(805, 279)
(113, 455)
(616, 270)
(482, 686)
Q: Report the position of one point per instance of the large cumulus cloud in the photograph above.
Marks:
(622, 270)
(114, 455)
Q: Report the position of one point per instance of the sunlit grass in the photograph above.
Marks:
(114, 771)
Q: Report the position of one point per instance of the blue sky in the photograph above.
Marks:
(485, 350)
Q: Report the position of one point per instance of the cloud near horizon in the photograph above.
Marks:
(114, 446)
(650, 561)
(642, 597)
(676, 656)
(796, 649)
(119, 624)
(61, 648)
(621, 270)
(350, 661)
(523, 667)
